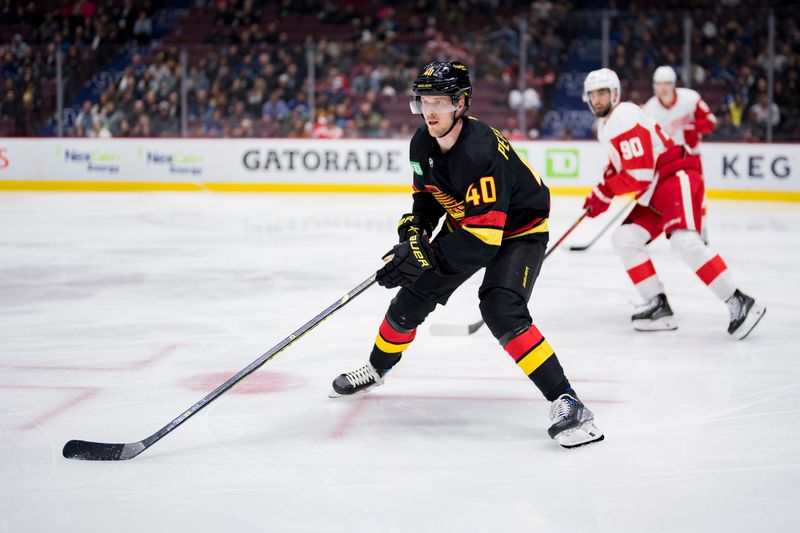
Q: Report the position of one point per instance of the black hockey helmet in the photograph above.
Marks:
(441, 79)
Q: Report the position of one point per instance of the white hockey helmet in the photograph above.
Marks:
(665, 74)
(603, 78)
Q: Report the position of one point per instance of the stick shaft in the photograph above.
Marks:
(566, 234)
(255, 365)
(606, 227)
(130, 450)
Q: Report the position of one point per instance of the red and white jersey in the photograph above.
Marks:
(686, 119)
(634, 143)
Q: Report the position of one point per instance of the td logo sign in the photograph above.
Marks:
(562, 163)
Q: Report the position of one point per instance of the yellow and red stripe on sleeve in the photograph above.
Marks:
(538, 225)
(488, 227)
(390, 340)
(529, 350)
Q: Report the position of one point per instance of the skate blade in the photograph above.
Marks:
(334, 394)
(753, 317)
(665, 323)
(582, 435)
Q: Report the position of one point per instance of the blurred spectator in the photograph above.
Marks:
(100, 131)
(762, 113)
(142, 127)
(214, 126)
(736, 108)
(84, 122)
(527, 99)
(19, 48)
(511, 130)
(325, 130)
(143, 28)
(112, 119)
(164, 124)
(276, 107)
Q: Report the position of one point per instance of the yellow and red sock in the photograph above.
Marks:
(389, 345)
(533, 354)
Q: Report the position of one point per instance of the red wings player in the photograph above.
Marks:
(645, 161)
(681, 113)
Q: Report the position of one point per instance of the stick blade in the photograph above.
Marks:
(578, 248)
(100, 451)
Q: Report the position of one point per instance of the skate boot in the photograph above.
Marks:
(745, 314)
(573, 424)
(656, 315)
(361, 380)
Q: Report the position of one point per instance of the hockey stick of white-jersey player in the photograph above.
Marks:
(457, 330)
(582, 247)
(101, 451)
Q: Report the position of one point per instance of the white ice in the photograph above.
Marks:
(120, 311)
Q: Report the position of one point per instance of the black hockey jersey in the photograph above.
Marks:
(487, 191)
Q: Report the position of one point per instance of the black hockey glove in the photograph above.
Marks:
(410, 259)
(413, 224)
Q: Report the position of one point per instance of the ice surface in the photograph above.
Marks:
(119, 311)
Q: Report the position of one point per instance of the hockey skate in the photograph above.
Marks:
(573, 423)
(361, 380)
(656, 315)
(745, 314)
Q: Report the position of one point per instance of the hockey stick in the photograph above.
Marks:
(580, 248)
(101, 451)
(566, 234)
(456, 330)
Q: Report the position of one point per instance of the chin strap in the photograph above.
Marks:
(453, 125)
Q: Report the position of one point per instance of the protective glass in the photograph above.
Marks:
(440, 106)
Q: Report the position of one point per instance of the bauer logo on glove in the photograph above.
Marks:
(413, 224)
(409, 260)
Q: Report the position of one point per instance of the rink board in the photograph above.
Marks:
(732, 170)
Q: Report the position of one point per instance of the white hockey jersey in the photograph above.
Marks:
(634, 143)
(686, 120)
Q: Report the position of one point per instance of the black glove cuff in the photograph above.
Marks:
(413, 224)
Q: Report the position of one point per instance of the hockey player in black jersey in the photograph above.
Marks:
(496, 211)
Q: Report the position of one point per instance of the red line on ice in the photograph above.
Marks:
(131, 367)
(153, 359)
(349, 419)
(84, 394)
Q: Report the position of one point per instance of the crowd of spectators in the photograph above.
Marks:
(248, 70)
(32, 32)
(729, 61)
(250, 77)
